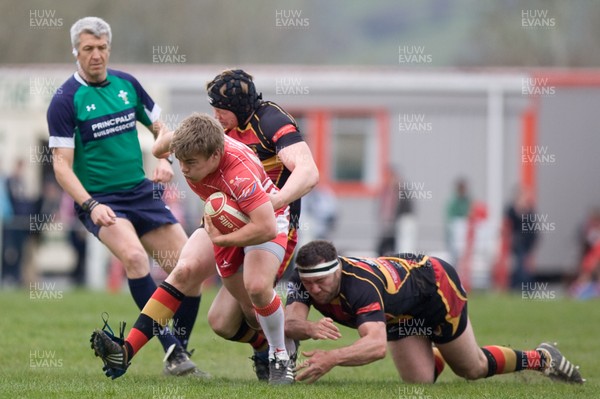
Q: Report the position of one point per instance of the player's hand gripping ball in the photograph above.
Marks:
(224, 213)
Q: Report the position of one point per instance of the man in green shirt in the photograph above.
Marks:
(97, 160)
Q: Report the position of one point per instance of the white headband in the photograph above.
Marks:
(320, 269)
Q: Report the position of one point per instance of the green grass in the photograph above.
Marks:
(45, 353)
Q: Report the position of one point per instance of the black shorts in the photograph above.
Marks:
(441, 316)
(142, 205)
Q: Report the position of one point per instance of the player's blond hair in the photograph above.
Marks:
(198, 134)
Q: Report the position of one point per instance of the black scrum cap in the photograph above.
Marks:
(234, 91)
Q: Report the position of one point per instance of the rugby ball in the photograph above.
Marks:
(225, 213)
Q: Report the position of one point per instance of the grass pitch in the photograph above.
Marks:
(45, 352)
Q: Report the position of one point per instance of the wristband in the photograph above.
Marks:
(170, 159)
(94, 204)
(89, 204)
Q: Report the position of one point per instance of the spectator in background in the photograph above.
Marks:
(77, 235)
(6, 210)
(457, 212)
(590, 231)
(523, 237)
(6, 214)
(321, 209)
(41, 219)
(16, 229)
(393, 203)
(586, 284)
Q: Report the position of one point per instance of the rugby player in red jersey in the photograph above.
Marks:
(247, 259)
(274, 136)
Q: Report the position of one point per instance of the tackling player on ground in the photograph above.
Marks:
(408, 302)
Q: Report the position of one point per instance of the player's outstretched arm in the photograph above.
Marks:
(298, 327)
(370, 347)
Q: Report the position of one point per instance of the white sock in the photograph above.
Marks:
(271, 319)
(290, 346)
